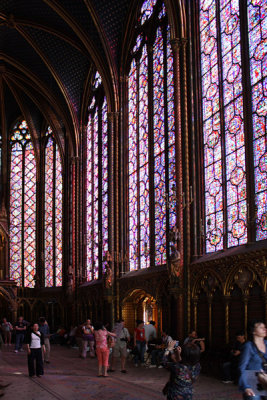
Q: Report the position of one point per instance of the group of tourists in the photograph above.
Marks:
(36, 337)
(248, 362)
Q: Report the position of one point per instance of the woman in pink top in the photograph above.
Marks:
(102, 350)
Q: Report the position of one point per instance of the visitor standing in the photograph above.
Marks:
(120, 348)
(102, 349)
(7, 328)
(140, 343)
(20, 329)
(150, 331)
(35, 346)
(88, 338)
(44, 329)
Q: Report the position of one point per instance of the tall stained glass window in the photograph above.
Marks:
(96, 181)
(22, 206)
(53, 213)
(226, 171)
(151, 182)
(257, 37)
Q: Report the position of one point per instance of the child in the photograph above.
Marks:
(183, 373)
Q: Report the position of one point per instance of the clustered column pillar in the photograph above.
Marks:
(113, 118)
(177, 47)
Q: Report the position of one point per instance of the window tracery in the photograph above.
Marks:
(96, 181)
(227, 118)
(151, 165)
(22, 228)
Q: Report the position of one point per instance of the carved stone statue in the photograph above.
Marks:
(108, 275)
(174, 265)
(3, 261)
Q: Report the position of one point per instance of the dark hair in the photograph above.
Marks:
(139, 321)
(152, 322)
(240, 333)
(33, 323)
(190, 354)
(251, 327)
(42, 320)
(98, 325)
(119, 320)
(191, 331)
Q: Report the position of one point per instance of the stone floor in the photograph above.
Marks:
(68, 377)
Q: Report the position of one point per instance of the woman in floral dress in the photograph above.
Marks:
(183, 373)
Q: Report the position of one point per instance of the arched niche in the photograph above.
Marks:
(24, 310)
(217, 319)
(5, 307)
(256, 304)
(39, 310)
(141, 305)
(236, 312)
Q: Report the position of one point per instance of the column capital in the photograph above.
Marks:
(149, 48)
(75, 160)
(124, 78)
(113, 115)
(184, 42)
(176, 44)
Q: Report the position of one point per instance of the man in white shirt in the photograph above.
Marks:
(150, 331)
(120, 348)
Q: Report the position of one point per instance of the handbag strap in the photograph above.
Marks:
(262, 356)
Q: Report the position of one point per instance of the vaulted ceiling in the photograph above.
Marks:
(47, 50)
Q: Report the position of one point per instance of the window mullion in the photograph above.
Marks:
(138, 165)
(222, 125)
(248, 124)
(22, 219)
(151, 159)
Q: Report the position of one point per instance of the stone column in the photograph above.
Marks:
(226, 313)
(113, 119)
(176, 47)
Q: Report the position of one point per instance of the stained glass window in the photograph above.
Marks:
(22, 206)
(226, 171)
(145, 135)
(257, 34)
(53, 213)
(96, 181)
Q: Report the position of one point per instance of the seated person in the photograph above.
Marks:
(230, 367)
(193, 338)
(158, 350)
